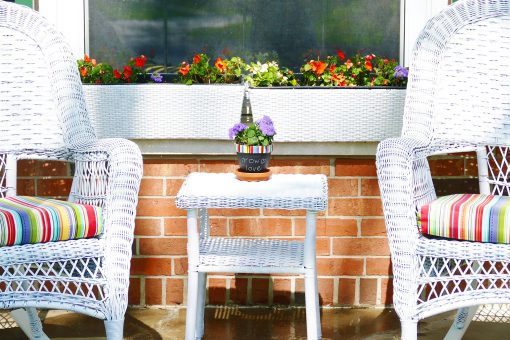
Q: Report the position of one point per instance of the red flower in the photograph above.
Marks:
(369, 57)
(338, 79)
(98, 81)
(128, 71)
(140, 61)
(386, 61)
(368, 65)
(184, 68)
(348, 63)
(83, 71)
(340, 54)
(116, 74)
(197, 58)
(220, 64)
(318, 67)
(332, 68)
(86, 58)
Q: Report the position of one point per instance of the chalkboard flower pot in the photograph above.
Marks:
(253, 158)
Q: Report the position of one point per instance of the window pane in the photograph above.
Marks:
(170, 31)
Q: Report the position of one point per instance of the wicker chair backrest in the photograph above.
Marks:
(42, 110)
(459, 86)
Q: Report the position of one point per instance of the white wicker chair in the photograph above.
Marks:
(458, 99)
(43, 115)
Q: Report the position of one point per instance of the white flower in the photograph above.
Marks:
(264, 68)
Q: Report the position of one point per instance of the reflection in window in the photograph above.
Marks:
(170, 31)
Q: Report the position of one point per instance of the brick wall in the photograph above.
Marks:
(353, 260)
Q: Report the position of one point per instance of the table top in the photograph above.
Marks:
(281, 191)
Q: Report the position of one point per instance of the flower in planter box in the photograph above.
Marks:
(269, 74)
(92, 72)
(199, 71)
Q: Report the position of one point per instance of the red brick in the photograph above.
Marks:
(261, 227)
(158, 207)
(355, 207)
(339, 266)
(148, 226)
(27, 167)
(169, 167)
(25, 187)
(342, 187)
(153, 291)
(370, 187)
(134, 291)
(368, 291)
(239, 290)
(234, 212)
(386, 291)
(283, 212)
(260, 290)
(350, 246)
(300, 166)
(329, 227)
(281, 291)
(180, 265)
(446, 167)
(217, 291)
(378, 266)
(325, 286)
(218, 165)
(299, 291)
(42, 168)
(355, 167)
(173, 185)
(163, 246)
(323, 246)
(218, 226)
(54, 187)
(346, 291)
(151, 266)
(174, 291)
(373, 227)
(175, 227)
(151, 187)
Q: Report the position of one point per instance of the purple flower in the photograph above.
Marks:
(400, 72)
(238, 127)
(156, 77)
(266, 126)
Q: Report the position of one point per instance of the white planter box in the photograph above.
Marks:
(330, 114)
(164, 111)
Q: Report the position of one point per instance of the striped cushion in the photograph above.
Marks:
(482, 218)
(36, 220)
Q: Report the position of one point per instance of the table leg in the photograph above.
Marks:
(202, 280)
(193, 255)
(313, 323)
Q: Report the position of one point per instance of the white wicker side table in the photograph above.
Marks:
(206, 254)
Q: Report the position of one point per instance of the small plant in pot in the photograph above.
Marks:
(254, 144)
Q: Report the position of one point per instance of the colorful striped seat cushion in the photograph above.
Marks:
(481, 218)
(26, 220)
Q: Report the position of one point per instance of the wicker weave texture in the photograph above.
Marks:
(457, 100)
(164, 111)
(223, 190)
(330, 114)
(43, 115)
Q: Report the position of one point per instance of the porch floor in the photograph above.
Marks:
(229, 323)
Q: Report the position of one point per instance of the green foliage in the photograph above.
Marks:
(269, 74)
(199, 71)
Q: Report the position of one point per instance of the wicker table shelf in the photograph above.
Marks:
(206, 254)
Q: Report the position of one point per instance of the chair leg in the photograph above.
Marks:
(114, 329)
(313, 323)
(199, 326)
(29, 322)
(461, 323)
(409, 330)
(191, 310)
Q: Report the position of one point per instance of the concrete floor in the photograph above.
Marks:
(229, 323)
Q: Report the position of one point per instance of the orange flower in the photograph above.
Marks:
(332, 68)
(116, 74)
(184, 68)
(338, 79)
(368, 65)
(340, 54)
(348, 63)
(86, 58)
(93, 62)
(318, 67)
(140, 61)
(220, 64)
(196, 59)
(83, 71)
